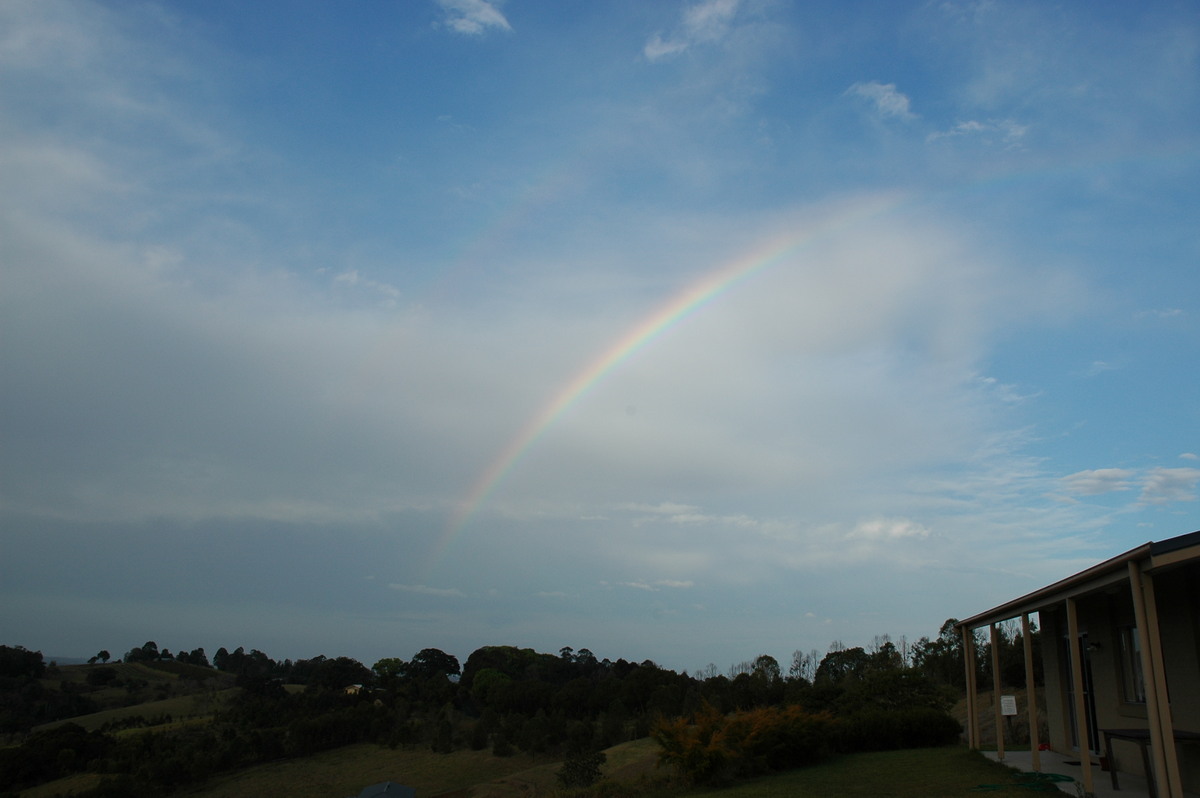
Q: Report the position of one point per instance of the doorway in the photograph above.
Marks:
(1089, 697)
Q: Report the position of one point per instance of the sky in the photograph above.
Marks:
(683, 331)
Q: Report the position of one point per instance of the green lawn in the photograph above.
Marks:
(345, 771)
(919, 773)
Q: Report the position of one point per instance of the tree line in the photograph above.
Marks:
(502, 698)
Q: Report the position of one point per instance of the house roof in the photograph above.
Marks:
(1156, 556)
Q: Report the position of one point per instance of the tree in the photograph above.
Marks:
(147, 652)
(942, 659)
(18, 661)
(339, 673)
(766, 667)
(838, 666)
(431, 662)
(195, 657)
(389, 671)
(804, 665)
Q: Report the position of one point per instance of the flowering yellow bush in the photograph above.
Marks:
(711, 748)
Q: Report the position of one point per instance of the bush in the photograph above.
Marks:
(791, 737)
(98, 677)
(711, 748)
(581, 770)
(883, 730)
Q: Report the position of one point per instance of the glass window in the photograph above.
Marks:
(1132, 679)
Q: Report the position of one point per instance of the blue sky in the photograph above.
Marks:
(361, 328)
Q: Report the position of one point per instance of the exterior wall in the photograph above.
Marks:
(1101, 617)
(1107, 615)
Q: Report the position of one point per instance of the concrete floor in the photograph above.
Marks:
(1132, 785)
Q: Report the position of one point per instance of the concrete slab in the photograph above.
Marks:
(1132, 785)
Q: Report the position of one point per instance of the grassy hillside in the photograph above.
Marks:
(345, 771)
(151, 691)
(180, 708)
(921, 773)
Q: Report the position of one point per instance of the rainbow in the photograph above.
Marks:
(674, 310)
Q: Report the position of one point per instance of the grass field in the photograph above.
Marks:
(345, 771)
(921, 773)
(178, 708)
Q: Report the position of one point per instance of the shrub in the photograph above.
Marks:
(881, 730)
(791, 737)
(98, 677)
(581, 770)
(698, 748)
(711, 748)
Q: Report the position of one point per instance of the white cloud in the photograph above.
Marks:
(654, 587)
(1010, 394)
(1098, 481)
(1098, 367)
(473, 17)
(426, 590)
(1159, 313)
(1189, 456)
(1003, 132)
(703, 22)
(1158, 485)
(662, 508)
(352, 279)
(879, 529)
(1162, 485)
(658, 47)
(888, 102)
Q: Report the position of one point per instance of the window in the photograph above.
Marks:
(1133, 680)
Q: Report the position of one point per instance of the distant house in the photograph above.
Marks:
(352, 689)
(1121, 654)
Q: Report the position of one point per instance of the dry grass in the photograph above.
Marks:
(179, 708)
(345, 771)
(1017, 733)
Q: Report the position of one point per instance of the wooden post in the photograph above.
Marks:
(1031, 695)
(1170, 783)
(1081, 722)
(968, 639)
(1150, 684)
(996, 692)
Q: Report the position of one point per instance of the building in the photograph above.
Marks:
(1121, 654)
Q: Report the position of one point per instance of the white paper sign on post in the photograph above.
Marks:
(1008, 705)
